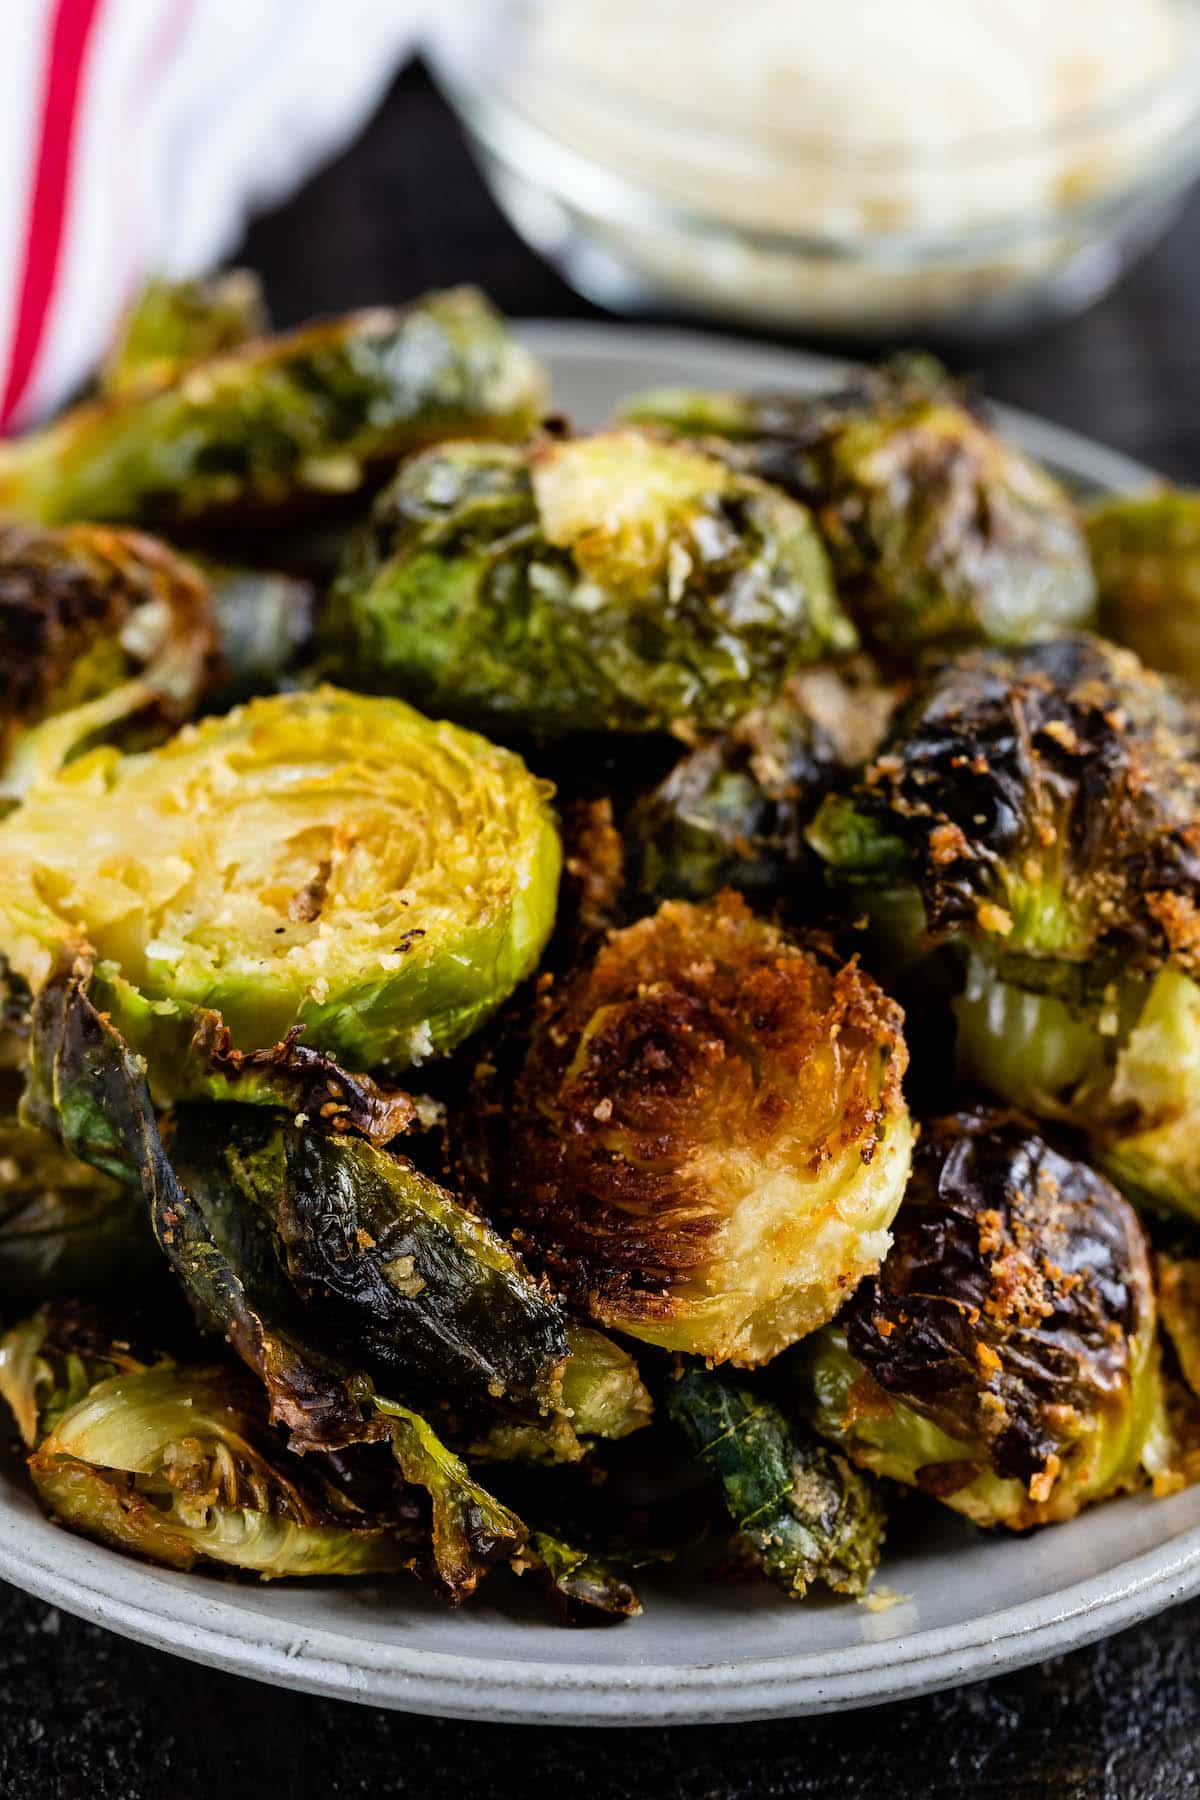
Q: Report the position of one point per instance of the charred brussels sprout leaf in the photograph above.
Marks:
(1146, 554)
(417, 1290)
(808, 1513)
(101, 632)
(64, 1227)
(940, 533)
(281, 423)
(471, 1528)
(606, 583)
(316, 859)
(732, 812)
(708, 1134)
(584, 1582)
(1040, 815)
(1003, 1360)
(173, 323)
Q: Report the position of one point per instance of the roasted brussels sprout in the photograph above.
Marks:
(422, 1295)
(279, 423)
(177, 1464)
(1004, 1359)
(66, 1229)
(607, 583)
(708, 1138)
(732, 812)
(1040, 814)
(98, 629)
(940, 532)
(315, 859)
(174, 323)
(809, 1515)
(1146, 554)
(387, 1269)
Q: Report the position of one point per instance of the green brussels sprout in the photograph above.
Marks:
(940, 532)
(808, 1513)
(1146, 554)
(99, 630)
(65, 1228)
(174, 323)
(1039, 815)
(176, 1464)
(611, 583)
(707, 1139)
(316, 859)
(732, 812)
(1004, 1358)
(280, 423)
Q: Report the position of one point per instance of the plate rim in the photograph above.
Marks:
(192, 1619)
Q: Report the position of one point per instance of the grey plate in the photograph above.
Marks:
(970, 1606)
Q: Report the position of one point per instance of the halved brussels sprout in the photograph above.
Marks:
(707, 1138)
(940, 532)
(809, 1515)
(608, 583)
(732, 812)
(173, 323)
(315, 859)
(281, 422)
(176, 1464)
(99, 629)
(1004, 1358)
(1040, 815)
(1146, 554)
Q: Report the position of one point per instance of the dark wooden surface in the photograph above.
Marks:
(84, 1713)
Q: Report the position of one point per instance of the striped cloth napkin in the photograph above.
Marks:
(135, 135)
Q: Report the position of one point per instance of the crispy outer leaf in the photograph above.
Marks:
(417, 1291)
(808, 1513)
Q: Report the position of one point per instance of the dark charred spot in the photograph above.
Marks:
(1007, 1307)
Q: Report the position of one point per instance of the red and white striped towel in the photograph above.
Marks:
(134, 137)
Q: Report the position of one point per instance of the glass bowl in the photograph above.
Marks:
(643, 204)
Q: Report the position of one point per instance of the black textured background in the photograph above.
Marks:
(84, 1713)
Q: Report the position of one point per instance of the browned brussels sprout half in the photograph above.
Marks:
(1003, 1360)
(281, 423)
(1146, 554)
(1040, 813)
(732, 812)
(99, 630)
(173, 323)
(318, 859)
(940, 532)
(708, 1138)
(177, 1465)
(612, 583)
(808, 1513)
